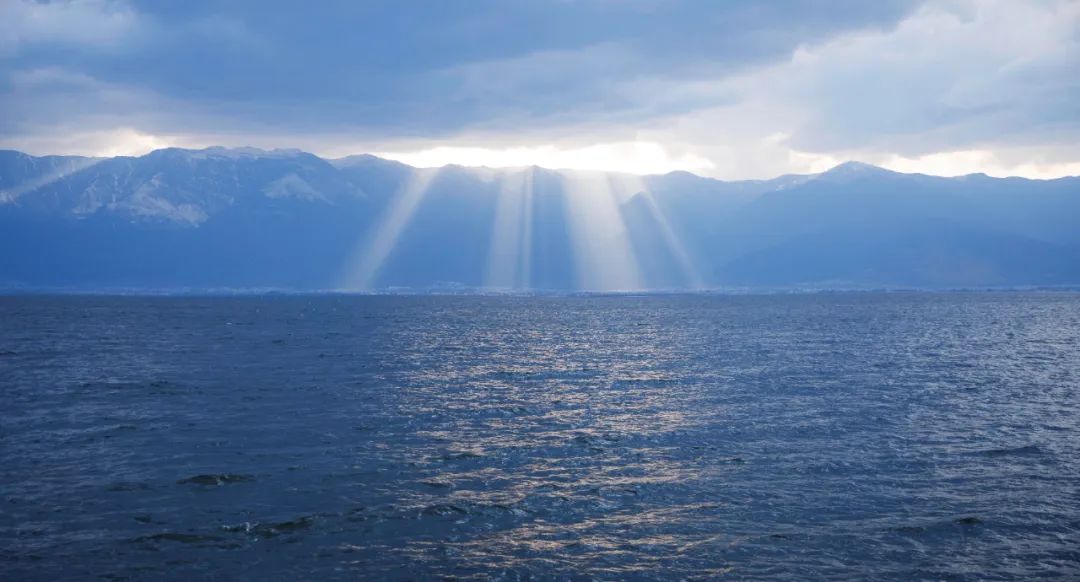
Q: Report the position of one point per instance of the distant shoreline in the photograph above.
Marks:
(268, 292)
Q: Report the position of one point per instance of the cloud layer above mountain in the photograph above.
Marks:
(732, 89)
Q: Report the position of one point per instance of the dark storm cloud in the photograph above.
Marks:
(388, 67)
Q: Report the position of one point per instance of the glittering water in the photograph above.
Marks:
(837, 436)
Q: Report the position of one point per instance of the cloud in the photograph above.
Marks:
(87, 24)
(952, 74)
(391, 69)
(1033, 162)
(734, 89)
(120, 141)
(989, 76)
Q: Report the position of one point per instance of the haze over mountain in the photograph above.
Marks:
(248, 218)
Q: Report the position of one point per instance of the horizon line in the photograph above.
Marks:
(851, 163)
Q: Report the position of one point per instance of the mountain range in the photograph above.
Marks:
(246, 218)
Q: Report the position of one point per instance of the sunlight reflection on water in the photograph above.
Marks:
(842, 436)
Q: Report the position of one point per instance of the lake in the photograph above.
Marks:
(783, 437)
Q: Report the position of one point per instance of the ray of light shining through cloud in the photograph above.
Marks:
(509, 262)
(603, 255)
(635, 186)
(375, 250)
(12, 194)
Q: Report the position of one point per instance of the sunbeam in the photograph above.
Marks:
(630, 186)
(384, 239)
(73, 167)
(509, 262)
(604, 257)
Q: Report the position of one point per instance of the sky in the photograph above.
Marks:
(734, 89)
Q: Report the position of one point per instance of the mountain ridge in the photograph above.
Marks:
(252, 218)
(846, 167)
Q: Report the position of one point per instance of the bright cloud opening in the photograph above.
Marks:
(637, 157)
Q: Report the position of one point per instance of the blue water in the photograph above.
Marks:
(841, 436)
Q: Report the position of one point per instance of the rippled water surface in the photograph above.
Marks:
(886, 436)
